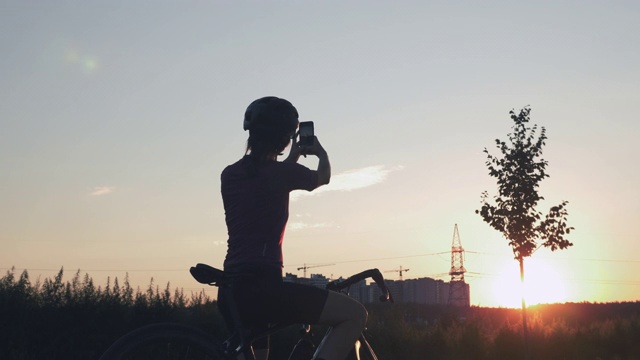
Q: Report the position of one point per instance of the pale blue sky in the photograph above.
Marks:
(117, 118)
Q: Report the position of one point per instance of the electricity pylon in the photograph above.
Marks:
(458, 289)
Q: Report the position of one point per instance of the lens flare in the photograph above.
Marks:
(89, 64)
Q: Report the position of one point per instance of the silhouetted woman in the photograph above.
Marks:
(255, 192)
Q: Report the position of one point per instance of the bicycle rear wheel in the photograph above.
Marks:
(164, 341)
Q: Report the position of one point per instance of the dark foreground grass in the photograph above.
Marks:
(78, 320)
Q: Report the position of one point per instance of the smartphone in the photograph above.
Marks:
(306, 133)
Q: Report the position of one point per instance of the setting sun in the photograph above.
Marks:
(542, 284)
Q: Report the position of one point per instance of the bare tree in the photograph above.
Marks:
(513, 212)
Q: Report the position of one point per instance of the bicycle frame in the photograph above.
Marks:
(361, 345)
(362, 342)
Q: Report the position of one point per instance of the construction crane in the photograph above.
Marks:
(399, 271)
(305, 267)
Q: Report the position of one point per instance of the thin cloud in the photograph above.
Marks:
(351, 180)
(295, 226)
(102, 190)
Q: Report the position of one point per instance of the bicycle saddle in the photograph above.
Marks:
(206, 274)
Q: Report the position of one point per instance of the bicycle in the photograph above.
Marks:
(179, 341)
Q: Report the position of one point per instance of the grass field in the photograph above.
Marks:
(76, 319)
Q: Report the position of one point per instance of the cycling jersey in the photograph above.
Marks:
(256, 203)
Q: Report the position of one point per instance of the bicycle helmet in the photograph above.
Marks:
(270, 114)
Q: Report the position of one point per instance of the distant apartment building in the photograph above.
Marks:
(418, 291)
(421, 291)
(316, 280)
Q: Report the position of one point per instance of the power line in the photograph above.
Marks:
(338, 262)
(101, 270)
(381, 259)
(561, 258)
(478, 275)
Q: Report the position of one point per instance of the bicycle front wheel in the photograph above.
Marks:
(165, 341)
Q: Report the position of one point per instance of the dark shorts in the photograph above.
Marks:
(263, 298)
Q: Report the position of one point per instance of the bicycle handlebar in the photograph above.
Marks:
(206, 274)
(374, 274)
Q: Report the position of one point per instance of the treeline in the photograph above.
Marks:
(75, 319)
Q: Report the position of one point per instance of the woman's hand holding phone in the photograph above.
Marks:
(315, 148)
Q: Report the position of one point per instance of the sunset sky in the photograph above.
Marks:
(117, 117)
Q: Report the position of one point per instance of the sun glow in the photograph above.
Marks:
(542, 284)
